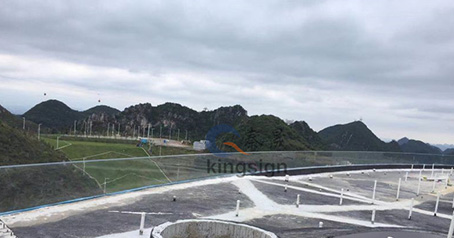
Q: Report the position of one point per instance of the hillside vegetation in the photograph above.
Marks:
(175, 121)
(355, 136)
(32, 186)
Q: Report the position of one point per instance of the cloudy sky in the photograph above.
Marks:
(390, 63)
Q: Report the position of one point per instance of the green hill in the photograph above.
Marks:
(31, 186)
(266, 133)
(416, 146)
(305, 131)
(449, 151)
(355, 136)
(101, 109)
(53, 114)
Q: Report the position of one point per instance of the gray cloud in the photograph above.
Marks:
(322, 61)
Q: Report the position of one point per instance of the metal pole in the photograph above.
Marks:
(398, 189)
(341, 196)
(419, 183)
(373, 194)
(237, 207)
(436, 205)
(298, 200)
(23, 123)
(373, 216)
(105, 184)
(433, 185)
(411, 208)
(451, 227)
(433, 170)
(142, 223)
(39, 131)
(406, 176)
(148, 134)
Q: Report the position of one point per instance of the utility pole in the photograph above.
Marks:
(58, 142)
(39, 131)
(148, 135)
(105, 184)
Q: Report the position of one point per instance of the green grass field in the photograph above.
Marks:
(120, 175)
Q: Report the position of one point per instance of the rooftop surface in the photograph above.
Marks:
(264, 203)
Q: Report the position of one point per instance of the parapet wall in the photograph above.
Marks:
(208, 228)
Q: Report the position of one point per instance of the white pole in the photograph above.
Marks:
(39, 131)
(373, 194)
(436, 205)
(148, 134)
(406, 176)
(419, 183)
(451, 227)
(423, 167)
(452, 170)
(398, 189)
(373, 216)
(412, 167)
(298, 200)
(84, 164)
(237, 207)
(433, 185)
(287, 178)
(142, 223)
(411, 208)
(341, 197)
(105, 185)
(453, 203)
(433, 170)
(285, 188)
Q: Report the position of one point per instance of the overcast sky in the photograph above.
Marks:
(390, 63)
